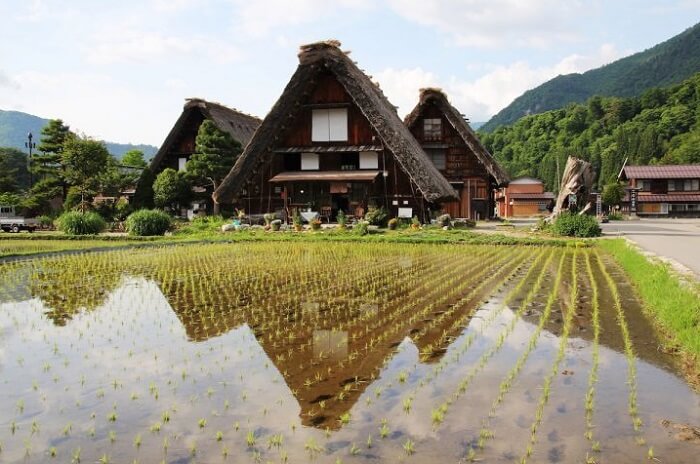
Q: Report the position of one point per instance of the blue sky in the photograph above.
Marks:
(120, 70)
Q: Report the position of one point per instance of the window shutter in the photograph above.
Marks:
(309, 161)
(319, 126)
(369, 160)
(338, 125)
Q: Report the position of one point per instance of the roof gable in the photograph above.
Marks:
(239, 125)
(374, 106)
(456, 120)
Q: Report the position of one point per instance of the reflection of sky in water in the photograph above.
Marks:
(133, 348)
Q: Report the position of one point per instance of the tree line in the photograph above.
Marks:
(662, 126)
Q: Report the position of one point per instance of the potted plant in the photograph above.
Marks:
(393, 223)
(315, 224)
(276, 224)
(415, 223)
(342, 219)
(296, 220)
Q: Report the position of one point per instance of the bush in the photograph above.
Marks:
(77, 223)
(393, 223)
(377, 216)
(361, 228)
(463, 224)
(45, 221)
(443, 220)
(615, 216)
(122, 209)
(576, 225)
(147, 222)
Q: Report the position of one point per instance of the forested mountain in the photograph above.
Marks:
(665, 64)
(661, 126)
(15, 125)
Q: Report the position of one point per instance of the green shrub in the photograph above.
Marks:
(615, 216)
(341, 218)
(393, 223)
(361, 228)
(377, 216)
(45, 221)
(576, 225)
(122, 209)
(147, 222)
(77, 223)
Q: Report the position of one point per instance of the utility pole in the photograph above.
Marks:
(30, 145)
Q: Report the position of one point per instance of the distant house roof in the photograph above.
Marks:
(525, 180)
(240, 126)
(679, 171)
(322, 57)
(455, 118)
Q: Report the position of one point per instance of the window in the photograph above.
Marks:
(438, 158)
(349, 161)
(369, 160)
(432, 129)
(309, 161)
(329, 125)
(691, 185)
(181, 164)
(644, 185)
(292, 161)
(676, 208)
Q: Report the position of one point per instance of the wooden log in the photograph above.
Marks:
(578, 180)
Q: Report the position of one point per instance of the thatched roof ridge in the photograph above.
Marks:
(239, 125)
(455, 118)
(395, 136)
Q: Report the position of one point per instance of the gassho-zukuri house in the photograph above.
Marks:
(333, 141)
(179, 145)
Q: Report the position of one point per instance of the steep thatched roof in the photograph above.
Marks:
(313, 60)
(241, 126)
(455, 118)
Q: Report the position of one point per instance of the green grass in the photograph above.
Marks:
(26, 244)
(673, 303)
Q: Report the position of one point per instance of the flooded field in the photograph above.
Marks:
(284, 352)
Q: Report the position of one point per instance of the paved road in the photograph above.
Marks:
(678, 239)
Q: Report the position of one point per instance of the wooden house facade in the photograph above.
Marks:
(179, 145)
(457, 153)
(333, 142)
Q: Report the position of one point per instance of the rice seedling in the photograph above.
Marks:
(409, 447)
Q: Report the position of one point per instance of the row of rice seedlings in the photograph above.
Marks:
(469, 340)
(632, 405)
(547, 385)
(595, 359)
(505, 386)
(438, 414)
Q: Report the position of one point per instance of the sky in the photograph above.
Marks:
(120, 70)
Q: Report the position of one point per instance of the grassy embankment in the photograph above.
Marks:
(672, 302)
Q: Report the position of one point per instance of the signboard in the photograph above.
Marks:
(405, 213)
(598, 204)
(633, 200)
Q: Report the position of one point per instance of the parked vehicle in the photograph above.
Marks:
(10, 222)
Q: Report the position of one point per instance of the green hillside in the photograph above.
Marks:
(15, 125)
(665, 64)
(661, 126)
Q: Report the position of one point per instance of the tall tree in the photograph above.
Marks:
(216, 153)
(47, 162)
(83, 161)
(134, 159)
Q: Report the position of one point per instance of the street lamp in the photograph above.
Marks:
(30, 145)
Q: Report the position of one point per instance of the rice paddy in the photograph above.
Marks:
(343, 352)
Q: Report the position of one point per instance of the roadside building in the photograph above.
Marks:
(524, 197)
(669, 190)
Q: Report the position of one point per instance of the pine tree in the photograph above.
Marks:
(216, 153)
(47, 164)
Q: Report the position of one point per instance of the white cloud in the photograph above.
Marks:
(7, 81)
(483, 97)
(492, 23)
(132, 45)
(257, 19)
